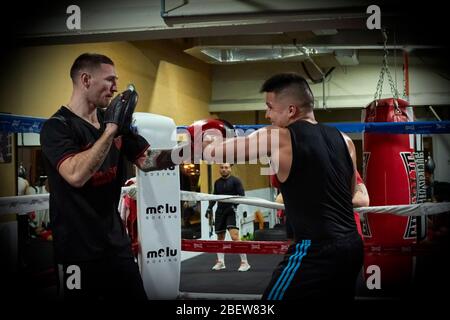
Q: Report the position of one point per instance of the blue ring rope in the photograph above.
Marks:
(17, 124)
(419, 127)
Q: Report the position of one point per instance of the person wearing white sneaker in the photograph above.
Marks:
(225, 218)
(219, 265)
(244, 266)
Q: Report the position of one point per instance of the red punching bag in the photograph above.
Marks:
(390, 177)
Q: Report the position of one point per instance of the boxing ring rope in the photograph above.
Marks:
(23, 204)
(417, 127)
(28, 203)
(280, 247)
(18, 124)
(252, 247)
(419, 209)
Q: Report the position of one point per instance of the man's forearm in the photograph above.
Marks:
(160, 159)
(361, 197)
(156, 160)
(78, 169)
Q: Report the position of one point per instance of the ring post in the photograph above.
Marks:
(158, 206)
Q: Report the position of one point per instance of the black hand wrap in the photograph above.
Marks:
(120, 110)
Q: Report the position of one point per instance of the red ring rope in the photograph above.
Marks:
(280, 247)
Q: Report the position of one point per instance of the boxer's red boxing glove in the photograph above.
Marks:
(200, 126)
(228, 129)
(211, 126)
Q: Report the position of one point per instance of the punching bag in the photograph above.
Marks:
(391, 179)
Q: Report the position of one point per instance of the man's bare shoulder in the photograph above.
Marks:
(276, 130)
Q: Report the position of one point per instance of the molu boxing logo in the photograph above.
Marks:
(162, 211)
(415, 169)
(162, 208)
(162, 255)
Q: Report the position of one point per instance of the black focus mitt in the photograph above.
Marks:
(120, 110)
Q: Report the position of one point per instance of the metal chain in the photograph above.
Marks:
(394, 90)
(385, 70)
(404, 84)
(379, 90)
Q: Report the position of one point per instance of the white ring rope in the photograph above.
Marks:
(30, 203)
(24, 204)
(252, 201)
(415, 210)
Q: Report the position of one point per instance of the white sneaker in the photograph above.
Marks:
(244, 267)
(219, 265)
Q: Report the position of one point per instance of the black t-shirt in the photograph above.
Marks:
(317, 193)
(85, 221)
(230, 186)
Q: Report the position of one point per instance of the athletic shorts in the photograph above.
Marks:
(225, 219)
(318, 270)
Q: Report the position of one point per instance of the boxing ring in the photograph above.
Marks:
(159, 212)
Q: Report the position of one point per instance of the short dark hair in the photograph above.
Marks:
(290, 80)
(88, 61)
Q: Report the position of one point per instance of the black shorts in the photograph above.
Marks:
(225, 219)
(104, 279)
(318, 270)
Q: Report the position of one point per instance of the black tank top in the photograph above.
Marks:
(317, 193)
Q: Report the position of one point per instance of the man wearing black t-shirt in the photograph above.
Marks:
(225, 217)
(85, 147)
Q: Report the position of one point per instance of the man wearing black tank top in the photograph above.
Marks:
(316, 168)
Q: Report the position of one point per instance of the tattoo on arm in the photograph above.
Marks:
(98, 157)
(78, 169)
(360, 188)
(156, 160)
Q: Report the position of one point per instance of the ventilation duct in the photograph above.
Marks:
(239, 54)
